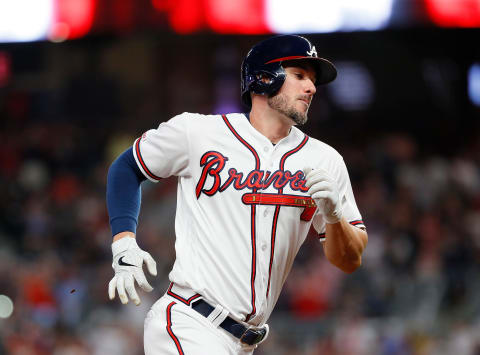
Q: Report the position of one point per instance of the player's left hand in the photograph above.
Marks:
(324, 191)
(128, 260)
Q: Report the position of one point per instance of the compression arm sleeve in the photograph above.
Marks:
(124, 193)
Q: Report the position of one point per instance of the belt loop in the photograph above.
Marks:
(218, 315)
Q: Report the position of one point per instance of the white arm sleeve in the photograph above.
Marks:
(164, 151)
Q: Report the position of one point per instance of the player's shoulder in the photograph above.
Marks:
(325, 156)
(202, 123)
(326, 150)
(199, 119)
(204, 117)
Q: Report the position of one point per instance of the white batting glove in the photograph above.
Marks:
(128, 259)
(324, 191)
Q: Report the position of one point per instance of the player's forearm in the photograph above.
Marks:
(344, 245)
(124, 193)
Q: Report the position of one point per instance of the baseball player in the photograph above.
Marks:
(249, 188)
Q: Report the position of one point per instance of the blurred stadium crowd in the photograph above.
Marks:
(417, 292)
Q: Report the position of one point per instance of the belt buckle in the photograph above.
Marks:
(253, 336)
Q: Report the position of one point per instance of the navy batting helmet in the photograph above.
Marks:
(264, 61)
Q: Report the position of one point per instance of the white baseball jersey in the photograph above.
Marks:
(243, 210)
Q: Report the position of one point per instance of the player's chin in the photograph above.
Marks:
(302, 108)
(302, 121)
(300, 118)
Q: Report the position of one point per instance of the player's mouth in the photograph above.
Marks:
(306, 99)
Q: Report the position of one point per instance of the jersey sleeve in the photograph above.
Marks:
(164, 151)
(349, 206)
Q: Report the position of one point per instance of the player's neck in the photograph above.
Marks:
(271, 124)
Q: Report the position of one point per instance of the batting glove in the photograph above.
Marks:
(128, 259)
(324, 191)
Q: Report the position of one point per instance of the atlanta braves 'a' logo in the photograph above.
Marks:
(213, 164)
(312, 52)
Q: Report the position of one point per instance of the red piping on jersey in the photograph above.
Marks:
(170, 331)
(277, 209)
(253, 212)
(272, 245)
(142, 162)
(180, 298)
(354, 223)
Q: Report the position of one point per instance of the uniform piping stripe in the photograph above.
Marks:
(180, 298)
(253, 212)
(254, 264)
(272, 243)
(243, 141)
(293, 151)
(277, 209)
(142, 162)
(170, 331)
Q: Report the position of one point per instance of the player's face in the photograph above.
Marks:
(294, 97)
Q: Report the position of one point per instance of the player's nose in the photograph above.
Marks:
(310, 87)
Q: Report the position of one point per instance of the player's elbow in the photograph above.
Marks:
(351, 265)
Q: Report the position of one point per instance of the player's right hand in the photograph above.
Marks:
(128, 260)
(324, 191)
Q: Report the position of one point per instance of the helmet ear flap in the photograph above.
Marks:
(264, 78)
(267, 82)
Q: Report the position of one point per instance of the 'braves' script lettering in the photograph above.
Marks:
(214, 162)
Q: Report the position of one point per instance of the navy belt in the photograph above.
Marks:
(246, 335)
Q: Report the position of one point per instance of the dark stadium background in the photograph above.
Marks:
(405, 125)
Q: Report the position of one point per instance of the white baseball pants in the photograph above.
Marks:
(173, 328)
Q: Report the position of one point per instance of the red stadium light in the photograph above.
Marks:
(246, 17)
(458, 13)
(72, 19)
(221, 16)
(186, 16)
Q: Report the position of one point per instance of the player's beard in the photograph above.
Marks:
(280, 103)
